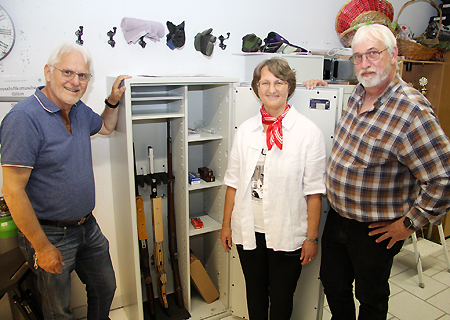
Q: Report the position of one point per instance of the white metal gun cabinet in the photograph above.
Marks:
(147, 105)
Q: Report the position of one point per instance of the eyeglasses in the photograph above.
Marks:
(370, 55)
(69, 75)
(265, 85)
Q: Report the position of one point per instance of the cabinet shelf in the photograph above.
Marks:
(142, 97)
(155, 116)
(205, 185)
(201, 310)
(204, 137)
(209, 225)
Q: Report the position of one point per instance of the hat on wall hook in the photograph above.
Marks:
(79, 33)
(204, 42)
(176, 36)
(222, 39)
(135, 30)
(111, 34)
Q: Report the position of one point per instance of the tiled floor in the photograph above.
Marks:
(410, 302)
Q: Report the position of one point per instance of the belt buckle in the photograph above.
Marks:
(81, 221)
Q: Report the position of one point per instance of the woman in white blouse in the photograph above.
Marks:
(275, 182)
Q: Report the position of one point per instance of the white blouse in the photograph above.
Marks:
(289, 176)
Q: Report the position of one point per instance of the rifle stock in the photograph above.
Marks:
(144, 256)
(143, 253)
(172, 223)
(158, 252)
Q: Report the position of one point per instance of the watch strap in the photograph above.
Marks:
(313, 240)
(111, 105)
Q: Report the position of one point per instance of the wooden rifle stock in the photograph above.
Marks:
(158, 251)
(143, 253)
(158, 235)
(143, 247)
(172, 223)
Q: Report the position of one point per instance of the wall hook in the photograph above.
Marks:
(222, 39)
(142, 42)
(79, 33)
(111, 34)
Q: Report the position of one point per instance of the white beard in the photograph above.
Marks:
(375, 79)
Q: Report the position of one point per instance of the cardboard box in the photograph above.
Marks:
(201, 281)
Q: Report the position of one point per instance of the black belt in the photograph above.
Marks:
(63, 223)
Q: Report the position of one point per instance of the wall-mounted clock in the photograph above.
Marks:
(7, 34)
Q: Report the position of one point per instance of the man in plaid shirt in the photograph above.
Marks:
(388, 175)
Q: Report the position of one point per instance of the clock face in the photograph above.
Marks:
(7, 34)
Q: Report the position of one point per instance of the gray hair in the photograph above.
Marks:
(375, 32)
(280, 68)
(69, 47)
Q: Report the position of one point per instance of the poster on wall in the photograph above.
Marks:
(15, 88)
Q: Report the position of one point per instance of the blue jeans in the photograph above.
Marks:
(270, 275)
(84, 249)
(350, 255)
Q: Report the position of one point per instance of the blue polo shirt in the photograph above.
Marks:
(33, 135)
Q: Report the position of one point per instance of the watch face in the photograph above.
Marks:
(407, 223)
(7, 34)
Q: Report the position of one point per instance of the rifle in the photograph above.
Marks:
(143, 245)
(172, 224)
(158, 236)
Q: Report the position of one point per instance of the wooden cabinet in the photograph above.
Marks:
(148, 104)
(438, 87)
(438, 93)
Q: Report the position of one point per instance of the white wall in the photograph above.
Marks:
(40, 25)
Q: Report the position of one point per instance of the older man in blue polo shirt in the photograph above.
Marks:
(48, 183)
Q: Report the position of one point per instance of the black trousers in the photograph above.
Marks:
(350, 255)
(270, 276)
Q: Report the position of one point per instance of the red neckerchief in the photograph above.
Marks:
(274, 132)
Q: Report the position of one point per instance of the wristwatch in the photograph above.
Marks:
(408, 223)
(111, 105)
(313, 240)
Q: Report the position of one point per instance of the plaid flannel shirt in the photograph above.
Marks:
(391, 161)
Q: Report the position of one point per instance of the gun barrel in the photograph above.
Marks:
(172, 223)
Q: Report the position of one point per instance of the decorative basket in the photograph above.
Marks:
(415, 51)
(353, 8)
(366, 18)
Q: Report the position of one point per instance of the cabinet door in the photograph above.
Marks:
(323, 107)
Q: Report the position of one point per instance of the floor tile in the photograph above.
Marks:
(394, 288)
(442, 258)
(398, 267)
(409, 281)
(443, 277)
(430, 265)
(118, 314)
(406, 306)
(441, 300)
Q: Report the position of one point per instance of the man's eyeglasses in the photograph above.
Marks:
(265, 85)
(69, 75)
(370, 55)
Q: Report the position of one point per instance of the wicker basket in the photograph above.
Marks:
(415, 51)
(366, 18)
(353, 8)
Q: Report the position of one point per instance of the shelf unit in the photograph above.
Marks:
(147, 106)
(438, 93)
